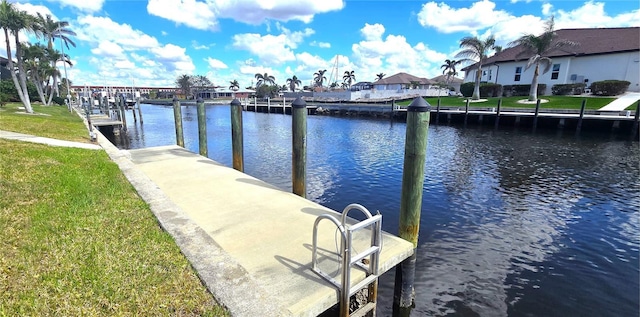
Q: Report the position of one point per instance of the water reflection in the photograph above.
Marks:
(513, 223)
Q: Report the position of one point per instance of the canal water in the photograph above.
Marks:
(513, 223)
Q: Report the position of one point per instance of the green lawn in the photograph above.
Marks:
(76, 239)
(555, 102)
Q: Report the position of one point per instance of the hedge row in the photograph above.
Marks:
(568, 89)
(609, 87)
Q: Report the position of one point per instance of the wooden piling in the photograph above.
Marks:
(438, 112)
(236, 135)
(202, 127)
(498, 112)
(299, 145)
(133, 111)
(582, 109)
(535, 115)
(635, 126)
(418, 114)
(139, 109)
(177, 117)
(466, 111)
(123, 112)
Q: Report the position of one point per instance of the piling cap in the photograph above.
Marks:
(419, 105)
(175, 98)
(235, 102)
(299, 103)
(199, 100)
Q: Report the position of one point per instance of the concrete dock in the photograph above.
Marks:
(249, 241)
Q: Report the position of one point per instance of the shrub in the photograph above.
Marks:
(568, 89)
(521, 90)
(466, 89)
(58, 100)
(490, 90)
(609, 87)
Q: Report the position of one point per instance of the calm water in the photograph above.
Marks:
(513, 223)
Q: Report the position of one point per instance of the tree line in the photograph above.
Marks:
(35, 64)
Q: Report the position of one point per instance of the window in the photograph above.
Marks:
(518, 73)
(555, 71)
(490, 74)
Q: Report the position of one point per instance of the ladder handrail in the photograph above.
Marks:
(348, 260)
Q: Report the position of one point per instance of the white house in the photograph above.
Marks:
(602, 54)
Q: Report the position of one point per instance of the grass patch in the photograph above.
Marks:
(76, 239)
(51, 122)
(555, 102)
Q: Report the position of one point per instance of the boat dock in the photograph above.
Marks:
(250, 242)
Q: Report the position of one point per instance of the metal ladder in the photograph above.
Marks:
(349, 260)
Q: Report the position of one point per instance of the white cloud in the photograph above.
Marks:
(215, 63)
(198, 46)
(592, 14)
(271, 49)
(108, 49)
(98, 29)
(82, 5)
(34, 9)
(546, 8)
(192, 13)
(445, 19)
(124, 64)
(204, 15)
(320, 44)
(174, 58)
(392, 54)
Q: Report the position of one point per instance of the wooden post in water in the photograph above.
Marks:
(236, 135)
(133, 111)
(438, 112)
(535, 115)
(139, 109)
(123, 111)
(498, 112)
(636, 117)
(202, 127)
(177, 117)
(415, 150)
(582, 109)
(299, 144)
(466, 111)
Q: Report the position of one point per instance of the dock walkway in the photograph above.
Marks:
(249, 241)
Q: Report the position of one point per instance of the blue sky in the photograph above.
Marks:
(150, 43)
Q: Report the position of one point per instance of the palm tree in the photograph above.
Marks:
(319, 77)
(264, 79)
(293, 82)
(380, 76)
(14, 21)
(450, 68)
(537, 47)
(185, 83)
(234, 85)
(476, 50)
(349, 77)
(52, 30)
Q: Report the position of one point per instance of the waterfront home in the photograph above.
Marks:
(601, 54)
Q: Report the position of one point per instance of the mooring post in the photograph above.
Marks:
(255, 104)
(123, 111)
(582, 109)
(236, 135)
(133, 111)
(636, 117)
(202, 127)
(535, 115)
(139, 109)
(466, 111)
(415, 150)
(177, 118)
(438, 112)
(498, 112)
(299, 144)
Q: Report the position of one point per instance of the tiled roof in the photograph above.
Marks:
(401, 78)
(443, 78)
(590, 42)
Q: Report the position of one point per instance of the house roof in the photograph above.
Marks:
(401, 78)
(443, 78)
(592, 41)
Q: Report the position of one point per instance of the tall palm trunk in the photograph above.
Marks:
(533, 92)
(476, 89)
(22, 74)
(24, 97)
